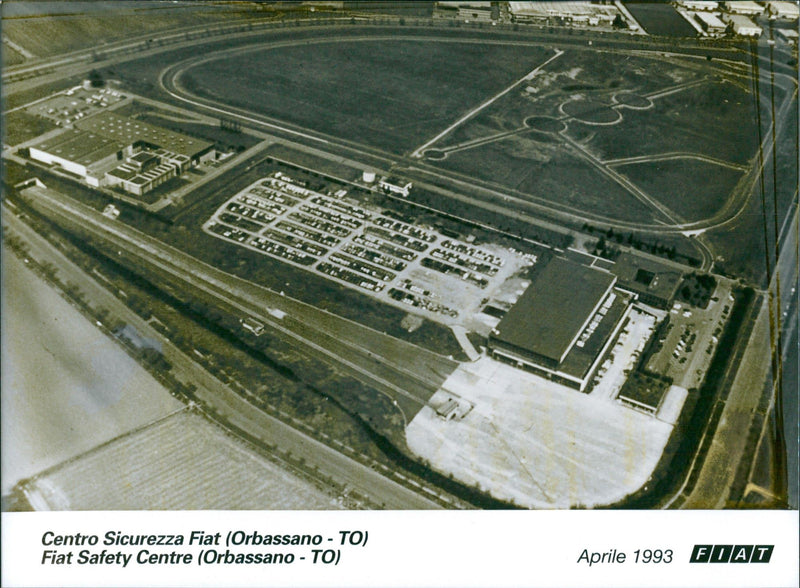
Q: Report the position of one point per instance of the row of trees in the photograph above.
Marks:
(632, 240)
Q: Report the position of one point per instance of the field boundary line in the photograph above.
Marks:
(97, 448)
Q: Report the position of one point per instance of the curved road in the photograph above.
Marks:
(65, 68)
(731, 210)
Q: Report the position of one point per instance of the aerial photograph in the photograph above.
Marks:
(399, 255)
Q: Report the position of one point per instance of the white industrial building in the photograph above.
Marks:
(396, 186)
(111, 150)
(744, 7)
(574, 12)
(743, 26)
(788, 36)
(80, 153)
(699, 5)
(710, 23)
(465, 10)
(129, 131)
(783, 10)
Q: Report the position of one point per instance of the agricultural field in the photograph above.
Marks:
(21, 126)
(52, 28)
(541, 171)
(11, 56)
(182, 462)
(560, 136)
(66, 386)
(570, 76)
(713, 118)
(744, 245)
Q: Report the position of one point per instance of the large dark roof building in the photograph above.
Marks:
(551, 313)
(562, 324)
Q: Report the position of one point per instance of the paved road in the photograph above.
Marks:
(224, 402)
(675, 155)
(475, 111)
(727, 449)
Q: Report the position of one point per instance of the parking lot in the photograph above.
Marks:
(76, 103)
(622, 360)
(410, 266)
(692, 337)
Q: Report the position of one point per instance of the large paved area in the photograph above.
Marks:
(537, 443)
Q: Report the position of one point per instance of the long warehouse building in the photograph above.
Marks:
(563, 324)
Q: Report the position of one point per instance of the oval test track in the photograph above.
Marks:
(169, 81)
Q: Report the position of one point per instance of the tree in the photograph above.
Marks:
(96, 79)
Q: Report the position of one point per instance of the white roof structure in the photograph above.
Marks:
(699, 4)
(787, 10)
(743, 25)
(562, 9)
(464, 4)
(710, 21)
(744, 7)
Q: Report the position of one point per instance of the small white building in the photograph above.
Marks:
(396, 186)
(111, 212)
(710, 23)
(466, 10)
(743, 26)
(788, 36)
(477, 14)
(252, 325)
(744, 7)
(699, 5)
(783, 10)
